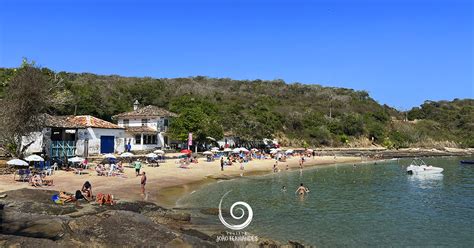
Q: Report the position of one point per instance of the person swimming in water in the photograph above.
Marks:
(302, 190)
(283, 189)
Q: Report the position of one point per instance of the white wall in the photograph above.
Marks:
(230, 141)
(93, 135)
(37, 146)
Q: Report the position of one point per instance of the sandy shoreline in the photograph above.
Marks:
(167, 182)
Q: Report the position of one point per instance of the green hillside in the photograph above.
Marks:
(298, 114)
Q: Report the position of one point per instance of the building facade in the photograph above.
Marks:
(69, 136)
(145, 127)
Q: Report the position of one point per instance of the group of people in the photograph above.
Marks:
(109, 169)
(40, 179)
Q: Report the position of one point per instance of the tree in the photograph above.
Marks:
(195, 116)
(26, 99)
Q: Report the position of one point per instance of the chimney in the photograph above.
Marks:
(135, 105)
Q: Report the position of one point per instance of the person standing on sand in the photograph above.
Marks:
(143, 182)
(222, 163)
(138, 166)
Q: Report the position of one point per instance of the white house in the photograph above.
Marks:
(145, 127)
(68, 136)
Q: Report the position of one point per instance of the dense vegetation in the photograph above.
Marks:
(297, 114)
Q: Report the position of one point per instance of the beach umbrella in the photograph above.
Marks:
(236, 150)
(274, 151)
(215, 148)
(151, 155)
(109, 155)
(289, 151)
(227, 150)
(126, 155)
(242, 149)
(18, 162)
(309, 150)
(207, 153)
(34, 158)
(159, 152)
(76, 160)
(186, 151)
(254, 149)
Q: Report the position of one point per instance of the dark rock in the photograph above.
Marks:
(214, 211)
(179, 216)
(296, 244)
(26, 242)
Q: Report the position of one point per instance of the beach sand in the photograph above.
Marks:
(165, 184)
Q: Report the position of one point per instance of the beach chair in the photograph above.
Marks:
(20, 173)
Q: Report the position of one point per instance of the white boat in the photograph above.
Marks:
(419, 167)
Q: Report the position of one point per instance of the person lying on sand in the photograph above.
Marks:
(46, 180)
(105, 199)
(302, 190)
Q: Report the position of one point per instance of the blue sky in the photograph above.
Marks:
(402, 52)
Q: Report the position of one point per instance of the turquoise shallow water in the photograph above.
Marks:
(367, 205)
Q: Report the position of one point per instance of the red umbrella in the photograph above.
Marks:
(186, 151)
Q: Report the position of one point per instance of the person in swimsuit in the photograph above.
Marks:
(302, 190)
(143, 182)
(87, 190)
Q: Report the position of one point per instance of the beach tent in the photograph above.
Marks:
(34, 158)
(17, 162)
(159, 152)
(76, 160)
(126, 155)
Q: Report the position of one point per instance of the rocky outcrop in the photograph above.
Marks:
(29, 218)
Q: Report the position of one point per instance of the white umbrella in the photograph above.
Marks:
(126, 155)
(34, 158)
(236, 150)
(18, 162)
(207, 153)
(227, 150)
(309, 150)
(215, 148)
(242, 149)
(254, 149)
(273, 151)
(159, 152)
(109, 155)
(289, 151)
(76, 160)
(151, 155)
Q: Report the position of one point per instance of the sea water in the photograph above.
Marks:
(372, 204)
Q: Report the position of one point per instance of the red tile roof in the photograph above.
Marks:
(143, 129)
(147, 111)
(91, 121)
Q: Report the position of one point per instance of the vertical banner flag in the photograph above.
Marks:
(190, 139)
